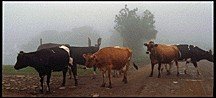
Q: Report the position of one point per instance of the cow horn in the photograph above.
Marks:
(99, 41)
(89, 42)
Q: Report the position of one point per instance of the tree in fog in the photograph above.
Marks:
(115, 39)
(135, 29)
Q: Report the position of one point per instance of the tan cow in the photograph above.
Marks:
(110, 58)
(162, 54)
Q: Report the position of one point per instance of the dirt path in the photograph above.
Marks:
(139, 84)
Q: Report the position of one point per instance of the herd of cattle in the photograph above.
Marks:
(61, 57)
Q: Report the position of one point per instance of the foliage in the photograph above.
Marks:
(135, 27)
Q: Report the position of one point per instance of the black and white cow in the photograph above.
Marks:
(193, 54)
(77, 54)
(45, 61)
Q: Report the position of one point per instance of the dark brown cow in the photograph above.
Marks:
(162, 54)
(110, 58)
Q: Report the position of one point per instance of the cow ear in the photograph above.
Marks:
(155, 45)
(84, 55)
(93, 56)
(145, 44)
(210, 51)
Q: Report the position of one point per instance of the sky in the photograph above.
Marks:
(176, 22)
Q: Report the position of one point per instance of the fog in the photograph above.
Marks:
(176, 23)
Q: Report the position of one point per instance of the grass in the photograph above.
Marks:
(9, 70)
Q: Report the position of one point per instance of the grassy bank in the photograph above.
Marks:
(9, 70)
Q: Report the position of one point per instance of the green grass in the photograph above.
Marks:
(9, 70)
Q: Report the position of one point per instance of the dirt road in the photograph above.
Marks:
(139, 84)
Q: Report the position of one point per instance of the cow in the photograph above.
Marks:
(70, 68)
(45, 61)
(110, 58)
(77, 54)
(193, 54)
(162, 54)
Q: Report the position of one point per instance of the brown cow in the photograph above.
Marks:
(162, 54)
(110, 58)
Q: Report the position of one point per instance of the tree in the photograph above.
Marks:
(135, 29)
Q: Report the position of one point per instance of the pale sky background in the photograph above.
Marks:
(176, 22)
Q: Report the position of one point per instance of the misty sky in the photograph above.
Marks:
(176, 22)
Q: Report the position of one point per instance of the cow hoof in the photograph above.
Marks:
(159, 76)
(48, 92)
(177, 74)
(109, 86)
(103, 85)
(93, 78)
(63, 87)
(150, 75)
(198, 74)
(168, 73)
(41, 91)
(185, 72)
(123, 80)
(76, 83)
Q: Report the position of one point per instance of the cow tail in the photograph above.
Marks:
(135, 66)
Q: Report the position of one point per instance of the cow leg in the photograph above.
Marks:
(64, 71)
(48, 81)
(94, 72)
(115, 73)
(186, 65)
(159, 67)
(41, 81)
(125, 73)
(195, 65)
(152, 68)
(103, 74)
(125, 78)
(110, 84)
(168, 70)
(74, 70)
(70, 72)
(177, 67)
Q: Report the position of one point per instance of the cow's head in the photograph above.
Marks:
(90, 60)
(21, 61)
(150, 47)
(209, 56)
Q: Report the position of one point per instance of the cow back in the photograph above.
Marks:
(118, 57)
(165, 53)
(198, 54)
(56, 58)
